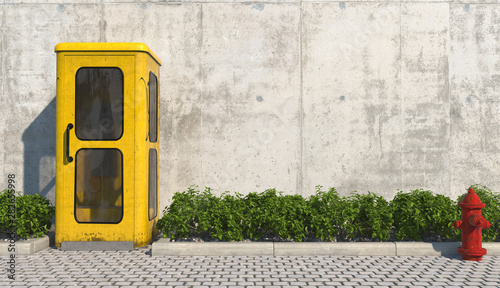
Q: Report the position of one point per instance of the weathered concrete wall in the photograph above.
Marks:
(360, 95)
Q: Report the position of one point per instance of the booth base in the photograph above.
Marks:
(97, 245)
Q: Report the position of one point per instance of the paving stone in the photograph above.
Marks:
(52, 283)
(373, 284)
(51, 268)
(333, 283)
(385, 283)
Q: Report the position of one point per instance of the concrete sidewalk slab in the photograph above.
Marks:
(334, 249)
(427, 249)
(449, 249)
(137, 268)
(165, 248)
(492, 248)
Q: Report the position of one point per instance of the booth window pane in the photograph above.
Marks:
(99, 186)
(153, 107)
(152, 183)
(99, 104)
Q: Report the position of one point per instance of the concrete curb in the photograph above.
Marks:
(427, 248)
(163, 247)
(334, 249)
(29, 246)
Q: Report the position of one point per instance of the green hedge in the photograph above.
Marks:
(418, 215)
(30, 215)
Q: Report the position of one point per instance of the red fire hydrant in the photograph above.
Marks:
(471, 224)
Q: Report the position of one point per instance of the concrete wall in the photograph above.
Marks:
(360, 95)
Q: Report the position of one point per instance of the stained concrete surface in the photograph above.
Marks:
(359, 95)
(425, 103)
(351, 103)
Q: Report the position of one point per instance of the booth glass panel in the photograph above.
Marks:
(153, 107)
(152, 183)
(99, 186)
(99, 103)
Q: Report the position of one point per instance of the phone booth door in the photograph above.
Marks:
(98, 169)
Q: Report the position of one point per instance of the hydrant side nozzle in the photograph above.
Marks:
(479, 221)
(476, 220)
(457, 224)
(487, 224)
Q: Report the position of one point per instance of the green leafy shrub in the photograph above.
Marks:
(7, 209)
(32, 214)
(333, 217)
(373, 218)
(273, 215)
(420, 214)
(326, 214)
(235, 217)
(260, 214)
(195, 213)
(221, 217)
(292, 217)
(417, 215)
(182, 215)
(491, 212)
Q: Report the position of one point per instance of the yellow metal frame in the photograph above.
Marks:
(136, 61)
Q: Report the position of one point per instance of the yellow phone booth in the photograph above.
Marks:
(107, 146)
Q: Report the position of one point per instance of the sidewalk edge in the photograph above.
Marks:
(27, 247)
(165, 248)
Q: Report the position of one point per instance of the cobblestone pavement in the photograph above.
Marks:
(55, 268)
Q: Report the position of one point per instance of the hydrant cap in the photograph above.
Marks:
(471, 200)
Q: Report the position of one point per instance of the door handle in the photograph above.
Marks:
(68, 158)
